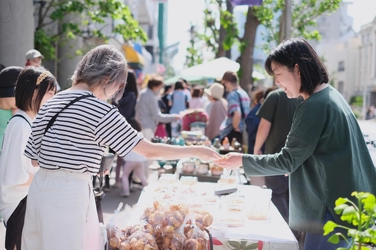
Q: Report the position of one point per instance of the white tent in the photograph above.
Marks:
(211, 70)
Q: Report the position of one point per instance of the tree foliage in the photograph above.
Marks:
(220, 29)
(87, 18)
(194, 51)
(304, 16)
(269, 14)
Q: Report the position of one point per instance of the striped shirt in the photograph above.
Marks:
(235, 98)
(78, 138)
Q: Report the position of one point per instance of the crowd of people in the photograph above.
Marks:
(54, 142)
(303, 137)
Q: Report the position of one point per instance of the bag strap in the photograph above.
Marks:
(240, 103)
(23, 117)
(99, 189)
(66, 106)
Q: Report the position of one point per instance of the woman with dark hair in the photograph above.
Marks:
(127, 107)
(325, 153)
(196, 102)
(127, 103)
(252, 121)
(33, 88)
(69, 137)
(164, 129)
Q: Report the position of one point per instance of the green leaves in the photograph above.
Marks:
(44, 43)
(360, 215)
(329, 227)
(241, 245)
(85, 18)
(334, 238)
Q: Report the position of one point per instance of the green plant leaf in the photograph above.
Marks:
(339, 208)
(329, 227)
(234, 244)
(341, 200)
(334, 239)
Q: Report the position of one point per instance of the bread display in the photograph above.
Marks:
(177, 215)
(167, 227)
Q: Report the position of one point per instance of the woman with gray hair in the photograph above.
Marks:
(68, 139)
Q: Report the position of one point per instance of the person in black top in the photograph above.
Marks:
(127, 107)
(165, 107)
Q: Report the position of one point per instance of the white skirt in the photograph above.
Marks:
(61, 212)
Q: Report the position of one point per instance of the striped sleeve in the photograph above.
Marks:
(113, 130)
(30, 150)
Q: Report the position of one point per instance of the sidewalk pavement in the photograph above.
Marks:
(112, 197)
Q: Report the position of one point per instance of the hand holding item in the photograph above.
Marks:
(207, 154)
(230, 161)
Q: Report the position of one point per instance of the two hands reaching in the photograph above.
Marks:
(230, 161)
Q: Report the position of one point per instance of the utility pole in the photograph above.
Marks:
(288, 18)
(161, 31)
(286, 21)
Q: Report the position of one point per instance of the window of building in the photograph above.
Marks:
(150, 32)
(340, 86)
(341, 66)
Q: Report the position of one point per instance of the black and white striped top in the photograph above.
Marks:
(79, 136)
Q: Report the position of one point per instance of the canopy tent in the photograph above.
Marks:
(210, 70)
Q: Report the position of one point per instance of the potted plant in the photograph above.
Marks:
(362, 216)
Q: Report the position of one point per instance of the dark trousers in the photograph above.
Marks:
(15, 223)
(280, 193)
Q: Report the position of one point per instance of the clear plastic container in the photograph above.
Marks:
(258, 204)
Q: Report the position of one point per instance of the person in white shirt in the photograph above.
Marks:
(33, 88)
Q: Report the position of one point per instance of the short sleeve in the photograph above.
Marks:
(114, 131)
(268, 108)
(233, 102)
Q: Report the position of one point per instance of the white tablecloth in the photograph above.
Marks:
(272, 233)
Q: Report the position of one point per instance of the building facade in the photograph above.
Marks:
(19, 21)
(367, 64)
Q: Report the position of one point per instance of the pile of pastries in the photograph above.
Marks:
(166, 227)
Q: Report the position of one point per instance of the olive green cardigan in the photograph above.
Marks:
(326, 157)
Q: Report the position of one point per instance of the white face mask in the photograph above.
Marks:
(157, 91)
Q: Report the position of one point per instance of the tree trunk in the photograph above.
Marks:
(246, 57)
(222, 35)
(230, 9)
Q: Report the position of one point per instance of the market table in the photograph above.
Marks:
(264, 234)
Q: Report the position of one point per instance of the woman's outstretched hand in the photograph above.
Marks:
(208, 154)
(230, 161)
